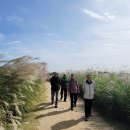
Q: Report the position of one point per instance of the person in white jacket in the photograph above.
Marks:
(88, 95)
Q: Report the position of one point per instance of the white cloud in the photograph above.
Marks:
(17, 42)
(14, 19)
(51, 34)
(112, 44)
(69, 46)
(117, 31)
(109, 16)
(67, 43)
(17, 47)
(105, 16)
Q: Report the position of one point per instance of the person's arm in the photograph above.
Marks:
(83, 87)
(77, 86)
(67, 82)
(60, 81)
(51, 81)
(69, 86)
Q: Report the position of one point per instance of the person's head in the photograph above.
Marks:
(55, 74)
(72, 76)
(64, 74)
(89, 77)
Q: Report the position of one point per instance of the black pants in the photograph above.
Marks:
(63, 90)
(88, 106)
(73, 99)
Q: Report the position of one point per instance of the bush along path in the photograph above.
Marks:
(21, 80)
(51, 118)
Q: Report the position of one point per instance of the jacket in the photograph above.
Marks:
(55, 83)
(73, 86)
(64, 82)
(88, 89)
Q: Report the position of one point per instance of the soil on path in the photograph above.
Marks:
(62, 118)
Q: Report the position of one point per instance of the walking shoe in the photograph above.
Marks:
(56, 106)
(72, 109)
(90, 115)
(86, 118)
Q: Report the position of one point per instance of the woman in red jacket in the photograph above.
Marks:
(73, 89)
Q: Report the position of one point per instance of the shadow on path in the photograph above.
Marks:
(42, 106)
(52, 113)
(66, 124)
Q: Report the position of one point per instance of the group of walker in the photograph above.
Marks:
(72, 87)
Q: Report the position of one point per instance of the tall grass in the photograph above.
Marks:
(112, 94)
(20, 81)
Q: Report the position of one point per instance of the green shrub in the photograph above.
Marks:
(20, 82)
(112, 94)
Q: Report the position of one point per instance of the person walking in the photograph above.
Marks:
(55, 87)
(73, 89)
(64, 85)
(88, 95)
(52, 75)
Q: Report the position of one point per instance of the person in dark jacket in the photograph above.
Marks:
(64, 85)
(73, 89)
(52, 75)
(55, 87)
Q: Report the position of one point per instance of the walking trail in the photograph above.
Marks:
(62, 118)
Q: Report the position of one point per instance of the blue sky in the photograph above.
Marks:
(67, 34)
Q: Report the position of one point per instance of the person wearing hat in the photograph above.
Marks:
(55, 87)
(64, 85)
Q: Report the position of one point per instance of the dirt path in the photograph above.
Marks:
(62, 118)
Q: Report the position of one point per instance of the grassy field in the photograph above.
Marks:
(21, 82)
(20, 86)
(29, 122)
(112, 95)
